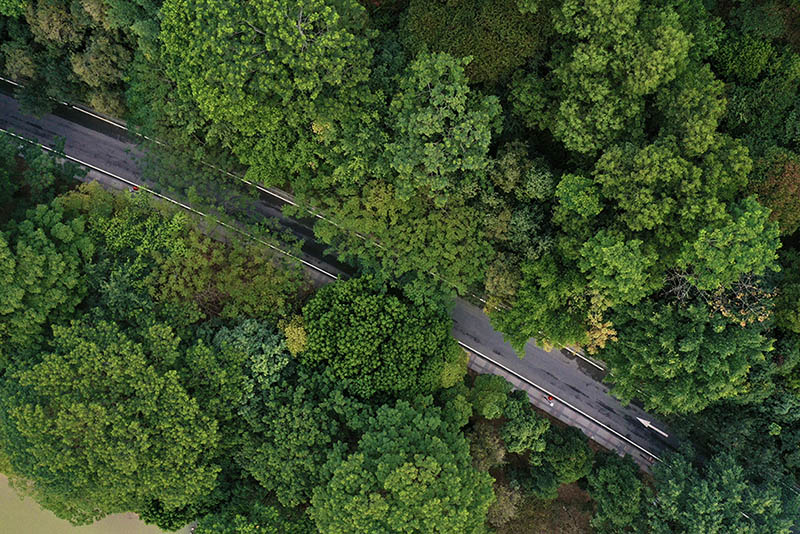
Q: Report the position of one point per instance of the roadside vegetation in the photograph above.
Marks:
(620, 176)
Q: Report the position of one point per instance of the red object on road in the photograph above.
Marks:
(135, 187)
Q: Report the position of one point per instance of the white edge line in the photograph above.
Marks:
(562, 401)
(585, 358)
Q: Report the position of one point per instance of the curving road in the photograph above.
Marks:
(579, 396)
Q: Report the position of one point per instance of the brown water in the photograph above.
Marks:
(27, 517)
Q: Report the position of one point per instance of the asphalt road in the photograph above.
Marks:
(580, 397)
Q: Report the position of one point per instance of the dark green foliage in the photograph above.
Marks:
(376, 341)
(618, 493)
(763, 99)
(42, 261)
(292, 428)
(489, 395)
(257, 518)
(409, 472)
(550, 306)
(30, 176)
(441, 131)
(77, 50)
(680, 358)
(523, 429)
(499, 35)
(715, 500)
(787, 303)
(613, 56)
(566, 459)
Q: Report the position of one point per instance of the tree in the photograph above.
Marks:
(227, 375)
(486, 448)
(499, 35)
(44, 258)
(376, 341)
(745, 242)
(256, 518)
(620, 270)
(656, 188)
(550, 306)
(787, 302)
(98, 428)
(523, 429)
(566, 459)
(441, 130)
(292, 428)
(679, 358)
(13, 8)
(283, 82)
(409, 472)
(715, 500)
(229, 281)
(429, 252)
(489, 395)
(505, 507)
(617, 491)
(614, 55)
(762, 94)
(693, 105)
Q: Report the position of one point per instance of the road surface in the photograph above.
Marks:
(579, 396)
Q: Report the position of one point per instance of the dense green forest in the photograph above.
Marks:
(617, 175)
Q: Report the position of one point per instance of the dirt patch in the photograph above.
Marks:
(568, 514)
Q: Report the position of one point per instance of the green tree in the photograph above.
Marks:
(566, 459)
(681, 358)
(283, 82)
(441, 130)
(44, 258)
(293, 426)
(622, 270)
(489, 395)
(98, 428)
(233, 282)
(409, 472)
(692, 105)
(428, 252)
(13, 8)
(255, 518)
(551, 306)
(618, 492)
(715, 500)
(613, 56)
(745, 242)
(787, 301)
(376, 341)
(523, 429)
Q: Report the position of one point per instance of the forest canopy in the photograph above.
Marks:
(619, 177)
